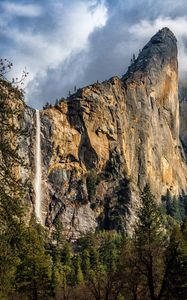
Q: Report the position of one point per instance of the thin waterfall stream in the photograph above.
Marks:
(38, 171)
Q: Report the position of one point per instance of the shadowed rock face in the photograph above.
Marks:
(104, 143)
(183, 114)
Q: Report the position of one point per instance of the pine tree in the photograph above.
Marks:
(68, 270)
(150, 242)
(86, 266)
(175, 213)
(57, 236)
(79, 278)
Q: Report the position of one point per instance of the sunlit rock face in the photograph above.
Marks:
(151, 85)
(104, 143)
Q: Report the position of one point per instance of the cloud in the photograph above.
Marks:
(21, 10)
(45, 49)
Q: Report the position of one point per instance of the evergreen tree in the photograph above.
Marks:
(56, 103)
(57, 235)
(68, 270)
(86, 266)
(150, 242)
(56, 275)
(134, 57)
(184, 229)
(176, 213)
(79, 278)
(168, 200)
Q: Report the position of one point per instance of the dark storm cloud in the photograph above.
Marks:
(68, 43)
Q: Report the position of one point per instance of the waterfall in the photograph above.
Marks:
(38, 171)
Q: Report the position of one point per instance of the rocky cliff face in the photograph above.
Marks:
(183, 114)
(104, 143)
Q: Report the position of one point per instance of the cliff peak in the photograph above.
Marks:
(164, 34)
(161, 50)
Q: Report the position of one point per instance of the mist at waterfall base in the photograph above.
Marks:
(38, 171)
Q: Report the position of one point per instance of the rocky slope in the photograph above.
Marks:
(104, 143)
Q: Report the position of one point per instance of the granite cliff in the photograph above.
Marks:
(102, 145)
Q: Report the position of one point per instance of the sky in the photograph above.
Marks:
(68, 43)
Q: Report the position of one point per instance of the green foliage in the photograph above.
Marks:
(116, 207)
(100, 255)
(56, 274)
(8, 264)
(47, 105)
(91, 182)
(150, 242)
(120, 297)
(12, 188)
(57, 236)
(149, 226)
(34, 270)
(175, 207)
(79, 278)
(176, 275)
(184, 229)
